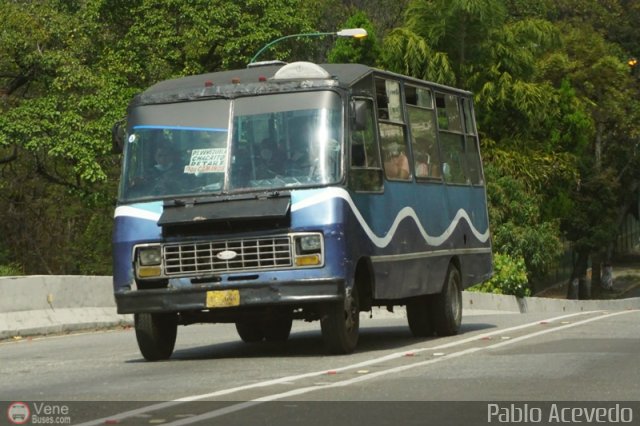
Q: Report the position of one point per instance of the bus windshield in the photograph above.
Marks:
(269, 142)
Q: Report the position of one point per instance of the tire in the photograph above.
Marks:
(250, 331)
(419, 316)
(156, 335)
(447, 305)
(340, 324)
(277, 329)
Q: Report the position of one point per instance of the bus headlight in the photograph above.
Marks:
(308, 250)
(310, 243)
(149, 256)
(149, 261)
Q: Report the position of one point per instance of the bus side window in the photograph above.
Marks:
(365, 173)
(471, 149)
(422, 123)
(454, 157)
(396, 162)
(393, 141)
(458, 140)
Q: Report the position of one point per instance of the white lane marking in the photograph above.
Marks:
(223, 392)
(300, 391)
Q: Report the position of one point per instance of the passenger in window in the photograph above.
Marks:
(422, 169)
(422, 165)
(396, 165)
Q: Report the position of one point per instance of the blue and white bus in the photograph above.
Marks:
(297, 191)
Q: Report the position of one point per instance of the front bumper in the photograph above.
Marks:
(193, 298)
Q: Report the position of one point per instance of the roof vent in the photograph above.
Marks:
(301, 70)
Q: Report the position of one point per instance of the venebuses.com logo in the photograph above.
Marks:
(18, 413)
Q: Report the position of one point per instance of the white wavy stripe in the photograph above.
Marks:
(136, 212)
(382, 242)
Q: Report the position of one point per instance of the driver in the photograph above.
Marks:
(161, 177)
(269, 163)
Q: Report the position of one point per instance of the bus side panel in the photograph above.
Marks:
(475, 267)
(133, 224)
(417, 232)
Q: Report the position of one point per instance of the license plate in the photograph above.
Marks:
(223, 298)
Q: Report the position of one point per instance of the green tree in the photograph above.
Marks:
(476, 45)
(362, 51)
(608, 181)
(509, 277)
(519, 229)
(67, 72)
(458, 28)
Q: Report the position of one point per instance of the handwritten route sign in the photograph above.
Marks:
(211, 160)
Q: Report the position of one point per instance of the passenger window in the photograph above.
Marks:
(449, 115)
(422, 123)
(418, 96)
(393, 140)
(453, 161)
(473, 160)
(458, 140)
(364, 149)
(469, 126)
(388, 98)
(396, 161)
(365, 174)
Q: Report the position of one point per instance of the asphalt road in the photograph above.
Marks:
(500, 362)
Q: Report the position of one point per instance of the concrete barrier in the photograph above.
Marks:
(43, 304)
(37, 292)
(46, 304)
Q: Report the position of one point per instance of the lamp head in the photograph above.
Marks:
(352, 32)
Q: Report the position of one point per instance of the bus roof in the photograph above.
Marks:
(255, 79)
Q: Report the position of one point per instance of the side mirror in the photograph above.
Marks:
(360, 115)
(117, 136)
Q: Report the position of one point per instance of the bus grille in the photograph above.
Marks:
(218, 256)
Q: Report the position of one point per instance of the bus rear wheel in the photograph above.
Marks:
(447, 305)
(156, 335)
(419, 316)
(340, 324)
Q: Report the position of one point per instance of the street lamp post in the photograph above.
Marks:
(349, 32)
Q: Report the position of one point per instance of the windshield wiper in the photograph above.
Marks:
(175, 203)
(264, 195)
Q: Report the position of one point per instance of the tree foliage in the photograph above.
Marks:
(556, 106)
(67, 72)
(509, 277)
(364, 51)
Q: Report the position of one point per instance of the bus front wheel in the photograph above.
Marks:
(447, 305)
(156, 335)
(277, 329)
(340, 324)
(250, 331)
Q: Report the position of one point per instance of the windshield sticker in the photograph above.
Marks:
(210, 160)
